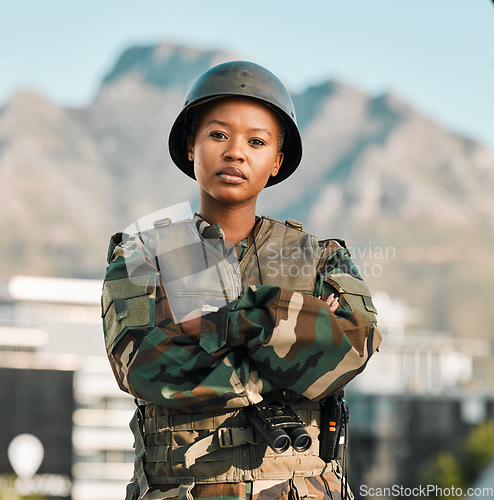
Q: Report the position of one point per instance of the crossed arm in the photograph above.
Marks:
(271, 338)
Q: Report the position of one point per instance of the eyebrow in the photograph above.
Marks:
(224, 124)
(260, 130)
(217, 122)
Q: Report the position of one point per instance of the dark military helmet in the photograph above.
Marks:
(238, 78)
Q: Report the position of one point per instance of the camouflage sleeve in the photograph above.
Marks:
(301, 344)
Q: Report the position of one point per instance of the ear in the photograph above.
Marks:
(190, 148)
(277, 164)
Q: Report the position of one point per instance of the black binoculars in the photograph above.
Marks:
(279, 426)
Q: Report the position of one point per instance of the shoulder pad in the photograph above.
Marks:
(162, 222)
(332, 243)
(115, 240)
(294, 223)
(340, 242)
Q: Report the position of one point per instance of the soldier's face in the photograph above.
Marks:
(235, 149)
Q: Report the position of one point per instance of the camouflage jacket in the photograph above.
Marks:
(271, 338)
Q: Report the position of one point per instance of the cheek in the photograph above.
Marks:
(201, 170)
(270, 162)
(197, 169)
(202, 154)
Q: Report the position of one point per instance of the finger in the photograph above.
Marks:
(334, 305)
(330, 298)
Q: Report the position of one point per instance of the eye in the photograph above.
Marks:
(257, 142)
(217, 135)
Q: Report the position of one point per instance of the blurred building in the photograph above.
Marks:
(418, 391)
(423, 362)
(59, 387)
(419, 395)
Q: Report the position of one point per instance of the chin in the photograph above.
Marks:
(231, 196)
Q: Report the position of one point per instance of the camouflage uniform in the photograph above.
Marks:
(279, 341)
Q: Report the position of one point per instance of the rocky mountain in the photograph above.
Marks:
(412, 199)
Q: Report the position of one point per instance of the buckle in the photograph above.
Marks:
(229, 437)
(225, 437)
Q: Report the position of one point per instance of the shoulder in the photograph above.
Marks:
(290, 225)
(332, 245)
(115, 241)
(327, 246)
(124, 244)
(290, 233)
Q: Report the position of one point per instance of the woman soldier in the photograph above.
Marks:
(211, 387)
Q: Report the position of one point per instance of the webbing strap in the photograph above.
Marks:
(301, 489)
(202, 422)
(153, 424)
(185, 490)
(186, 422)
(157, 454)
(140, 449)
(198, 449)
(234, 436)
(225, 437)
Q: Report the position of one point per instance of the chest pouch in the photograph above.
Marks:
(355, 292)
(198, 278)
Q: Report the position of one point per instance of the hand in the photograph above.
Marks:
(191, 324)
(333, 303)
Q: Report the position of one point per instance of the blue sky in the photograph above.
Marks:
(437, 54)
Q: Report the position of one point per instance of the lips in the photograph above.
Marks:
(231, 175)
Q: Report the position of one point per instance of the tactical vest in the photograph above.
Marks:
(174, 447)
(287, 257)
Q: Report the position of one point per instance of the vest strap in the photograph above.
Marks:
(140, 449)
(229, 437)
(157, 453)
(152, 425)
(185, 490)
(224, 437)
(300, 487)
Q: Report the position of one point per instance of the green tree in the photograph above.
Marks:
(462, 469)
(445, 470)
(8, 490)
(478, 450)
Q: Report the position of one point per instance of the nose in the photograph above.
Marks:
(234, 151)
